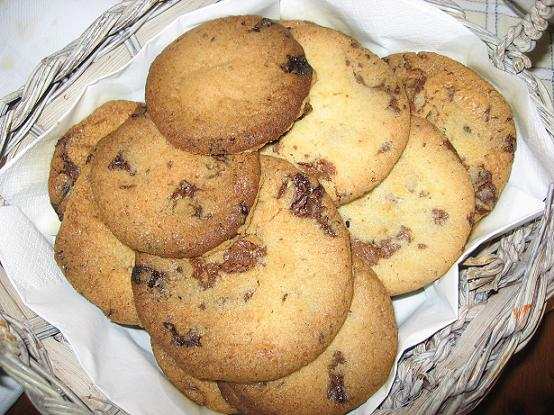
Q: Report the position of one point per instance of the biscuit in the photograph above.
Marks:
(228, 85)
(202, 392)
(158, 199)
(72, 150)
(359, 120)
(413, 226)
(469, 111)
(92, 258)
(264, 304)
(346, 374)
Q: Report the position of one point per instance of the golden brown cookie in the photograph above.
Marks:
(413, 226)
(264, 304)
(346, 374)
(73, 149)
(158, 199)
(228, 85)
(92, 258)
(469, 111)
(202, 392)
(359, 117)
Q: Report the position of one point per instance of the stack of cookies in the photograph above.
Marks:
(279, 185)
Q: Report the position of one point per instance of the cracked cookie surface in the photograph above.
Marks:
(413, 226)
(165, 201)
(358, 119)
(229, 85)
(264, 304)
(469, 111)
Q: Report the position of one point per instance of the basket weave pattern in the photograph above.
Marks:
(503, 287)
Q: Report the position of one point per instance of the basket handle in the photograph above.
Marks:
(523, 37)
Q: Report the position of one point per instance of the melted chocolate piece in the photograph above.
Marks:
(440, 216)
(69, 168)
(191, 339)
(450, 91)
(185, 189)
(155, 278)
(372, 252)
(306, 202)
(485, 190)
(297, 65)
(509, 144)
(241, 256)
(205, 273)
(336, 390)
(119, 163)
(320, 168)
(264, 22)
(244, 209)
(384, 147)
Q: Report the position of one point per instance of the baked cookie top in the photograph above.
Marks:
(469, 111)
(73, 149)
(413, 226)
(358, 120)
(202, 392)
(264, 304)
(165, 201)
(92, 258)
(228, 85)
(346, 374)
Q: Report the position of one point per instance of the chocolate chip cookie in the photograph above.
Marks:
(413, 226)
(469, 111)
(92, 258)
(202, 392)
(345, 375)
(158, 199)
(73, 149)
(263, 304)
(358, 120)
(228, 85)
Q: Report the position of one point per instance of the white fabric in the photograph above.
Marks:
(116, 357)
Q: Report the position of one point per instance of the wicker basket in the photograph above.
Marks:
(503, 287)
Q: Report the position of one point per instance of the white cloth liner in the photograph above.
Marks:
(119, 359)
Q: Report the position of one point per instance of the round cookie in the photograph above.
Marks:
(264, 304)
(92, 258)
(413, 226)
(228, 85)
(346, 374)
(469, 111)
(72, 150)
(202, 392)
(359, 120)
(158, 199)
